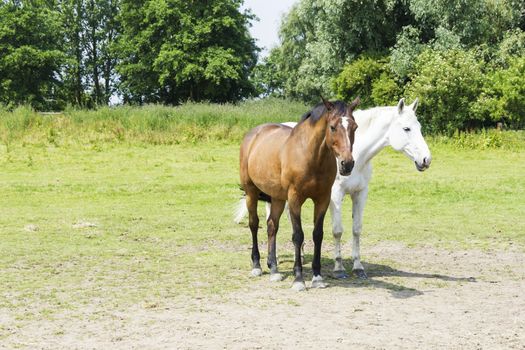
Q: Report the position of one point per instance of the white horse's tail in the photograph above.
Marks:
(240, 211)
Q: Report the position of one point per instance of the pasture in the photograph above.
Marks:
(112, 236)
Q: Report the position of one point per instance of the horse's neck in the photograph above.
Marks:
(314, 140)
(371, 134)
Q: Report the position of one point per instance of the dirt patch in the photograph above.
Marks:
(420, 298)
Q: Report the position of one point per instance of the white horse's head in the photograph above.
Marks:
(405, 136)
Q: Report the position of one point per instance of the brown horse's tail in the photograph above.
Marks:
(263, 197)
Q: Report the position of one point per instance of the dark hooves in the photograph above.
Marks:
(340, 274)
(361, 274)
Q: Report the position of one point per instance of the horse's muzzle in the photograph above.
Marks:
(345, 168)
(423, 166)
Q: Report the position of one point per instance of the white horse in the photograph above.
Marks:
(379, 127)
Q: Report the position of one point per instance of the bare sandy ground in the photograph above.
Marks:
(433, 299)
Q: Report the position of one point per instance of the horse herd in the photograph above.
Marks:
(317, 158)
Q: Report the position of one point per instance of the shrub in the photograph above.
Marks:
(448, 83)
(368, 78)
(503, 98)
(385, 91)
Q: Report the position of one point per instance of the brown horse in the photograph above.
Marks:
(294, 165)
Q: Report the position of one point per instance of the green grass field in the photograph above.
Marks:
(132, 221)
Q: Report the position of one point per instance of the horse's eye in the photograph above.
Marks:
(332, 128)
(406, 129)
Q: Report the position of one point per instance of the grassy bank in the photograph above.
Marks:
(185, 124)
(153, 124)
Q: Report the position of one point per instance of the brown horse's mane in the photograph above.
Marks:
(317, 112)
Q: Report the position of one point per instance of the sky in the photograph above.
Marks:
(269, 13)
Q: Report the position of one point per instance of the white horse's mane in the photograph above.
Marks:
(365, 117)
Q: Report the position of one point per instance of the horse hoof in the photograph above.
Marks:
(299, 286)
(256, 272)
(342, 274)
(317, 282)
(276, 277)
(361, 274)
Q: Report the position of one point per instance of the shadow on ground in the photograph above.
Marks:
(375, 272)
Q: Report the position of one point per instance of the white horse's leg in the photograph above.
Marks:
(358, 206)
(336, 203)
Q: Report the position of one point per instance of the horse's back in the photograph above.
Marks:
(260, 161)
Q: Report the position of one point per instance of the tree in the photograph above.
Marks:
(90, 29)
(174, 50)
(30, 54)
(266, 76)
(101, 31)
(473, 21)
(318, 38)
(73, 14)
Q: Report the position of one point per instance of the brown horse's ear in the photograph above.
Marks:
(329, 105)
(354, 103)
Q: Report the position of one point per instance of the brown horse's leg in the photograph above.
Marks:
(320, 207)
(252, 195)
(295, 203)
(276, 210)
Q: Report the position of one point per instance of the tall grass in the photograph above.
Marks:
(155, 124)
(188, 123)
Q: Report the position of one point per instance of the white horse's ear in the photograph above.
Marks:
(401, 105)
(414, 104)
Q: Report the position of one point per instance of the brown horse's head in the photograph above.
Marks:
(340, 131)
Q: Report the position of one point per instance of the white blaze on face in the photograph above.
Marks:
(345, 123)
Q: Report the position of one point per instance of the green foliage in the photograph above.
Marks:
(446, 39)
(385, 91)
(30, 56)
(448, 83)
(90, 28)
(472, 21)
(402, 56)
(266, 77)
(317, 40)
(503, 97)
(173, 50)
(369, 79)
(512, 46)
(356, 80)
(408, 46)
